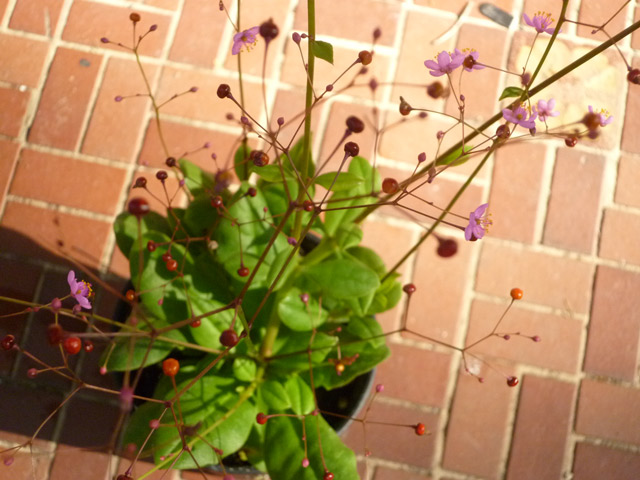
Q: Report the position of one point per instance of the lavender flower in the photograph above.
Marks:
(246, 38)
(79, 290)
(545, 108)
(519, 117)
(479, 223)
(605, 117)
(541, 22)
(446, 63)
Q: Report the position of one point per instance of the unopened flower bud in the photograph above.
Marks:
(365, 57)
(634, 76)
(354, 124)
(352, 149)
(269, 30)
(295, 36)
(134, 17)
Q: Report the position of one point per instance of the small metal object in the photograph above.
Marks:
(496, 14)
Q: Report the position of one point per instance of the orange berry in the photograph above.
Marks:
(170, 367)
(516, 293)
(420, 429)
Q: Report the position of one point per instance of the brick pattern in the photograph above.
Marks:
(566, 221)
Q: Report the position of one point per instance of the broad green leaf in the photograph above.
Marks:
(511, 92)
(196, 179)
(368, 257)
(455, 158)
(244, 369)
(387, 296)
(323, 50)
(125, 228)
(345, 181)
(275, 395)
(200, 216)
(300, 395)
(241, 163)
(290, 350)
(297, 316)
(342, 278)
(348, 235)
(285, 463)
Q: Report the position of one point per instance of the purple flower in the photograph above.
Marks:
(605, 117)
(544, 109)
(540, 22)
(446, 63)
(470, 60)
(478, 223)
(79, 290)
(246, 38)
(519, 117)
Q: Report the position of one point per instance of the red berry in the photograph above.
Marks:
(166, 257)
(229, 338)
(134, 17)
(32, 373)
(243, 271)
(88, 346)
(307, 205)
(634, 76)
(328, 476)
(571, 141)
(224, 90)
(259, 158)
(354, 124)
(131, 295)
(151, 246)
(365, 57)
(352, 149)
(72, 345)
(196, 323)
(170, 367)
(141, 182)
(8, 342)
(172, 265)
(55, 334)
(512, 381)
(216, 201)
(252, 192)
(170, 162)
(138, 207)
(269, 30)
(405, 108)
(516, 293)
(420, 429)
(447, 247)
(409, 288)
(390, 185)
(261, 418)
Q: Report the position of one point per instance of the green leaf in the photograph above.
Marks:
(125, 228)
(295, 314)
(291, 347)
(300, 395)
(240, 162)
(345, 181)
(200, 216)
(196, 179)
(511, 92)
(244, 369)
(285, 463)
(387, 296)
(274, 395)
(342, 278)
(322, 50)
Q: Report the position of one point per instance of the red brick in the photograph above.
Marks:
(390, 442)
(14, 103)
(67, 181)
(39, 17)
(32, 231)
(630, 140)
(403, 375)
(199, 33)
(204, 104)
(436, 311)
(552, 329)
(546, 279)
(88, 22)
(385, 473)
(115, 128)
(22, 60)
(628, 179)
(577, 181)
(542, 429)
(595, 462)
(614, 331)
(289, 104)
(3, 6)
(516, 191)
(9, 154)
(476, 433)
(596, 13)
(181, 138)
(83, 463)
(604, 409)
(635, 36)
(336, 19)
(65, 99)
(620, 231)
(457, 6)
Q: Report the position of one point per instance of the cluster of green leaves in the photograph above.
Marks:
(346, 283)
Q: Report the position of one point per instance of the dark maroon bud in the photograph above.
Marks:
(591, 121)
(216, 201)
(436, 90)
(571, 141)
(118, 98)
(206, 145)
(269, 30)
(525, 79)
(409, 288)
(532, 131)
(634, 76)
(422, 157)
(224, 90)
(138, 207)
(469, 62)
(104, 40)
(8, 342)
(170, 162)
(593, 134)
(447, 247)
(259, 158)
(245, 120)
(134, 17)
(280, 121)
(377, 33)
(296, 37)
(354, 124)
(373, 84)
(329, 88)
(141, 182)
(405, 108)
(161, 175)
(229, 338)
(193, 89)
(229, 116)
(423, 115)
(365, 57)
(503, 132)
(252, 192)
(352, 149)
(153, 28)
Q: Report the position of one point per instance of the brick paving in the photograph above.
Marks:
(566, 222)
